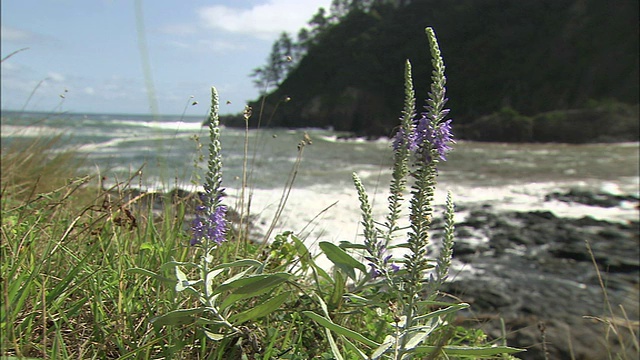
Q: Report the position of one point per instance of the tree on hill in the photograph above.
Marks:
(531, 56)
(279, 63)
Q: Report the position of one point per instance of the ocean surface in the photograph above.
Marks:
(171, 151)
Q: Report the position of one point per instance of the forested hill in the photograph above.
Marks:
(525, 56)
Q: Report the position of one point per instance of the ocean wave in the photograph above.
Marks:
(161, 125)
(13, 131)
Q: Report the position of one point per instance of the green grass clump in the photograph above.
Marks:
(66, 248)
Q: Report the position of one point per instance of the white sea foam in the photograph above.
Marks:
(325, 213)
(13, 131)
(162, 125)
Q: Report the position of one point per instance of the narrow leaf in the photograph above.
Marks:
(241, 294)
(178, 317)
(467, 351)
(182, 282)
(253, 284)
(442, 312)
(348, 344)
(261, 310)
(305, 257)
(338, 290)
(239, 263)
(382, 348)
(356, 300)
(349, 245)
(416, 339)
(332, 344)
(341, 259)
(340, 330)
(214, 336)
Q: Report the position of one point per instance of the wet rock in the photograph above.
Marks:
(591, 198)
(534, 268)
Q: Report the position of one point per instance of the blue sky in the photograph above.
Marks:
(88, 52)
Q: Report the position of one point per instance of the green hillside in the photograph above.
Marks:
(526, 56)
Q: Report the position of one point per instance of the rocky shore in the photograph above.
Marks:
(536, 272)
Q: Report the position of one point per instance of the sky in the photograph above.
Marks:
(87, 56)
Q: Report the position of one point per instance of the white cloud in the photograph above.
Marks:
(13, 34)
(8, 66)
(56, 77)
(89, 90)
(264, 21)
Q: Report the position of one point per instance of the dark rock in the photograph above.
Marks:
(590, 198)
(535, 271)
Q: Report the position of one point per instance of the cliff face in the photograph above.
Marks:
(530, 56)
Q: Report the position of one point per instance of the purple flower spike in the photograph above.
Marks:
(384, 267)
(218, 228)
(427, 137)
(374, 273)
(197, 227)
(212, 228)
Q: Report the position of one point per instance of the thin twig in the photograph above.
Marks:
(13, 53)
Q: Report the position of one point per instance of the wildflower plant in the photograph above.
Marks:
(405, 289)
(221, 289)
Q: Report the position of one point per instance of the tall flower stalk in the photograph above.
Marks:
(429, 141)
(209, 227)
(421, 142)
(401, 155)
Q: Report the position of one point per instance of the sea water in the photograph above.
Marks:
(162, 153)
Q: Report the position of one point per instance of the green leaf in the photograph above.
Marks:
(340, 330)
(180, 275)
(182, 282)
(433, 303)
(239, 263)
(417, 338)
(349, 245)
(442, 312)
(332, 344)
(467, 351)
(349, 345)
(253, 284)
(261, 310)
(240, 294)
(432, 324)
(338, 291)
(359, 301)
(147, 246)
(240, 275)
(306, 258)
(403, 245)
(388, 342)
(178, 317)
(341, 259)
(214, 336)
(209, 279)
